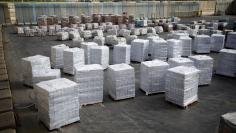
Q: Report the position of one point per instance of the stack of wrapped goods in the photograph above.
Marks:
(106, 18)
(226, 64)
(37, 68)
(121, 81)
(182, 85)
(159, 49)
(135, 31)
(143, 31)
(89, 26)
(100, 40)
(74, 35)
(124, 32)
(64, 21)
(186, 45)
(19, 30)
(151, 38)
(121, 54)
(51, 30)
(231, 40)
(74, 19)
(62, 36)
(58, 102)
(174, 48)
(217, 42)
(90, 83)
(139, 50)
(95, 25)
(152, 76)
(57, 55)
(72, 57)
(111, 40)
(87, 34)
(99, 55)
(174, 62)
(97, 18)
(87, 46)
(29, 32)
(130, 38)
(98, 33)
(131, 18)
(86, 19)
(202, 44)
(50, 20)
(120, 19)
(205, 65)
(159, 29)
(42, 20)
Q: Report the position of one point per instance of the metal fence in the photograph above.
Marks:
(28, 12)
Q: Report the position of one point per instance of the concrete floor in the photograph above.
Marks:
(149, 114)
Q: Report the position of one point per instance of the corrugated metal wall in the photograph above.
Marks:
(28, 12)
(2, 19)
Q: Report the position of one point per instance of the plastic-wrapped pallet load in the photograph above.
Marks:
(121, 81)
(87, 34)
(90, 83)
(139, 50)
(217, 42)
(143, 31)
(58, 102)
(111, 40)
(202, 44)
(121, 54)
(231, 40)
(62, 36)
(72, 57)
(151, 38)
(87, 46)
(45, 74)
(130, 38)
(19, 30)
(36, 67)
(51, 30)
(186, 45)
(152, 76)
(159, 29)
(73, 35)
(182, 85)
(135, 31)
(100, 40)
(174, 48)
(159, 49)
(89, 26)
(98, 33)
(99, 55)
(205, 65)
(57, 55)
(174, 62)
(124, 32)
(29, 32)
(226, 64)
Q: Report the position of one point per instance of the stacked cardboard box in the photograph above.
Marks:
(174, 62)
(217, 42)
(202, 44)
(174, 48)
(99, 55)
(87, 46)
(121, 54)
(231, 40)
(186, 46)
(139, 50)
(57, 55)
(159, 49)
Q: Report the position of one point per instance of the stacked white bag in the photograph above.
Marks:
(90, 83)
(111, 40)
(152, 76)
(174, 48)
(205, 65)
(87, 46)
(217, 42)
(58, 102)
(186, 45)
(100, 40)
(99, 55)
(231, 40)
(62, 36)
(174, 62)
(226, 64)
(159, 49)
(57, 55)
(202, 44)
(121, 81)
(139, 50)
(130, 38)
(37, 68)
(182, 85)
(121, 54)
(72, 57)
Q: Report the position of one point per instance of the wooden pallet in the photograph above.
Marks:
(150, 94)
(184, 107)
(91, 104)
(120, 99)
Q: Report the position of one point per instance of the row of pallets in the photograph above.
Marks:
(7, 117)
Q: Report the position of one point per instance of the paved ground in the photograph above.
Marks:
(149, 114)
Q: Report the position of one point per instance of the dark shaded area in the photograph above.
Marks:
(142, 114)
